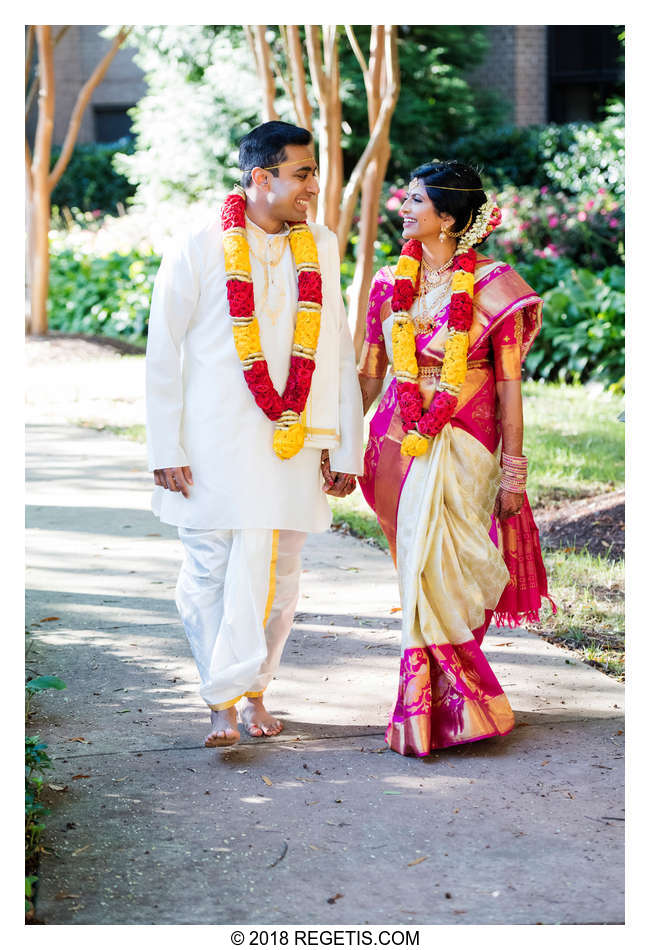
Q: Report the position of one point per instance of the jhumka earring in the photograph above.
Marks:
(457, 234)
(442, 237)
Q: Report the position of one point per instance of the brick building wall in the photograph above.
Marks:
(515, 68)
(531, 71)
(75, 57)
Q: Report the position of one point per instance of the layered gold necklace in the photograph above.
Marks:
(434, 287)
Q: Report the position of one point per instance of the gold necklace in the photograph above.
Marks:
(424, 312)
(433, 278)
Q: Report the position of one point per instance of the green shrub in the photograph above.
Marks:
(108, 295)
(583, 330)
(576, 158)
(90, 181)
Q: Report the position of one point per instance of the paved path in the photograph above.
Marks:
(320, 825)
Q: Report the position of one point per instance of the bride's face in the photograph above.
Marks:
(420, 219)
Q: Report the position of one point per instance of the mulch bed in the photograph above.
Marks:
(595, 524)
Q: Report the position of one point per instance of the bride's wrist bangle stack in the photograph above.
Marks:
(514, 471)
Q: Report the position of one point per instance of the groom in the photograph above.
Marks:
(242, 512)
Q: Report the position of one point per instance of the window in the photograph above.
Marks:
(112, 123)
(585, 70)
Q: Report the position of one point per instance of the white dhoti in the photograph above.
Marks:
(236, 594)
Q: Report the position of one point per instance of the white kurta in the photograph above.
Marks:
(200, 411)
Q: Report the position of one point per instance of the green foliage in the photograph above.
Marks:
(37, 761)
(40, 683)
(577, 158)
(90, 181)
(436, 103)
(107, 295)
(203, 96)
(583, 333)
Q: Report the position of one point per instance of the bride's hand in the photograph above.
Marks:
(507, 504)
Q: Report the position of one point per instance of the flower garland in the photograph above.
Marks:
(421, 426)
(284, 410)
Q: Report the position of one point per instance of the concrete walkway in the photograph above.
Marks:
(321, 825)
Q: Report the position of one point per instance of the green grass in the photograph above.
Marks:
(136, 433)
(574, 442)
(590, 597)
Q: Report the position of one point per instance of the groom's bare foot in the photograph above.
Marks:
(257, 720)
(224, 728)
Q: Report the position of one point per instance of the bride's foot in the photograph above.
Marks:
(257, 720)
(224, 728)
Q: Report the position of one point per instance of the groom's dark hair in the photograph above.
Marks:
(265, 145)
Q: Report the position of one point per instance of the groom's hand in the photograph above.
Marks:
(174, 479)
(338, 484)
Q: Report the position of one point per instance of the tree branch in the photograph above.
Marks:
(286, 83)
(29, 52)
(83, 98)
(60, 34)
(316, 71)
(356, 49)
(379, 132)
(248, 30)
(265, 73)
(28, 166)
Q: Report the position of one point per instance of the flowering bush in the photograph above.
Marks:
(588, 228)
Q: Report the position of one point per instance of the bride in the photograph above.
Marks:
(444, 466)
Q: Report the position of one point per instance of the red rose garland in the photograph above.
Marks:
(285, 409)
(444, 402)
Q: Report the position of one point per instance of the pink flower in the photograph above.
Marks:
(589, 204)
(582, 215)
(393, 203)
(553, 221)
(614, 222)
(544, 190)
(601, 191)
(524, 225)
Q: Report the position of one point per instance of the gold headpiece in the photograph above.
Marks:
(414, 181)
(282, 164)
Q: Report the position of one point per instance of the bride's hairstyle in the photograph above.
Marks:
(453, 188)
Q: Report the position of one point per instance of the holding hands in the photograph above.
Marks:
(338, 484)
(174, 479)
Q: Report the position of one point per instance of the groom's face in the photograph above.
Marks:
(295, 186)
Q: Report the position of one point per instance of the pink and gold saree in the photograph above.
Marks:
(457, 567)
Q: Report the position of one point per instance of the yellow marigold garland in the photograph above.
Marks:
(289, 436)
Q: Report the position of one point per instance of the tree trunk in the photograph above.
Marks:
(324, 73)
(265, 73)
(381, 79)
(294, 56)
(40, 206)
(360, 288)
(40, 181)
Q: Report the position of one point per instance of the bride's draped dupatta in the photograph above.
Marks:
(456, 565)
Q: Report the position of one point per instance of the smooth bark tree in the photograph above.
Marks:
(39, 179)
(338, 201)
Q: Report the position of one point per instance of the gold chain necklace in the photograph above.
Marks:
(433, 278)
(426, 306)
